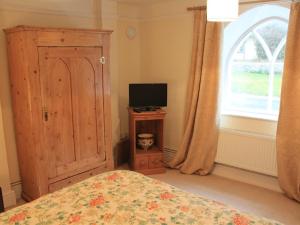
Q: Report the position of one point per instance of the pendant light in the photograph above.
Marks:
(222, 10)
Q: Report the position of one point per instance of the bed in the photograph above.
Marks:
(125, 197)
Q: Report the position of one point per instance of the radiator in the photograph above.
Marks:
(169, 155)
(247, 151)
(243, 150)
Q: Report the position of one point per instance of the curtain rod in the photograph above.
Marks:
(242, 3)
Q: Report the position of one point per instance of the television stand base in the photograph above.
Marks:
(145, 109)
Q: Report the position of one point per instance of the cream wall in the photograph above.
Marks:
(152, 56)
(125, 59)
(109, 20)
(129, 57)
(8, 194)
(165, 58)
(167, 29)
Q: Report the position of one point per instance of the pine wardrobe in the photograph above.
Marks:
(60, 89)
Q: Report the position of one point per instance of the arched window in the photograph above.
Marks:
(253, 63)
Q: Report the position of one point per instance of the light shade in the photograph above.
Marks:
(222, 10)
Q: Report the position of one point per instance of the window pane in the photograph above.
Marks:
(273, 32)
(254, 67)
(276, 105)
(250, 50)
(250, 78)
(278, 71)
(248, 103)
(278, 67)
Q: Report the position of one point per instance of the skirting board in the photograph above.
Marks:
(260, 180)
(9, 198)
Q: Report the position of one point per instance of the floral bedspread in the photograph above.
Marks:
(125, 197)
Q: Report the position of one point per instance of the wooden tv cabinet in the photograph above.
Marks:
(147, 161)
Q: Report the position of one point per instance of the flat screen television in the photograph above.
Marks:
(148, 95)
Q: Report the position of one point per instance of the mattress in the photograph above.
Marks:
(125, 197)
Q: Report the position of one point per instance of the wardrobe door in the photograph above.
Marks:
(72, 95)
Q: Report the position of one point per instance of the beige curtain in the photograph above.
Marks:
(288, 131)
(198, 148)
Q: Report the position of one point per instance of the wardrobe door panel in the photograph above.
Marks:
(73, 96)
(87, 104)
(55, 78)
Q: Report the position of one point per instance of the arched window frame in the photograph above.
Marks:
(245, 26)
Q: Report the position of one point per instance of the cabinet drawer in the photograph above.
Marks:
(75, 179)
(156, 161)
(141, 163)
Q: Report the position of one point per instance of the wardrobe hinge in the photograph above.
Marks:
(102, 60)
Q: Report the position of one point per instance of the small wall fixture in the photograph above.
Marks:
(131, 32)
(222, 10)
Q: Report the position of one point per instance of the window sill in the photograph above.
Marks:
(257, 116)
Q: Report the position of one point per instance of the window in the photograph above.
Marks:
(254, 65)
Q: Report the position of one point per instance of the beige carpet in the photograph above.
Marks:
(245, 197)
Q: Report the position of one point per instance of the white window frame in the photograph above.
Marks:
(234, 34)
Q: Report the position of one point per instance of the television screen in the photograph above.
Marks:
(148, 95)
